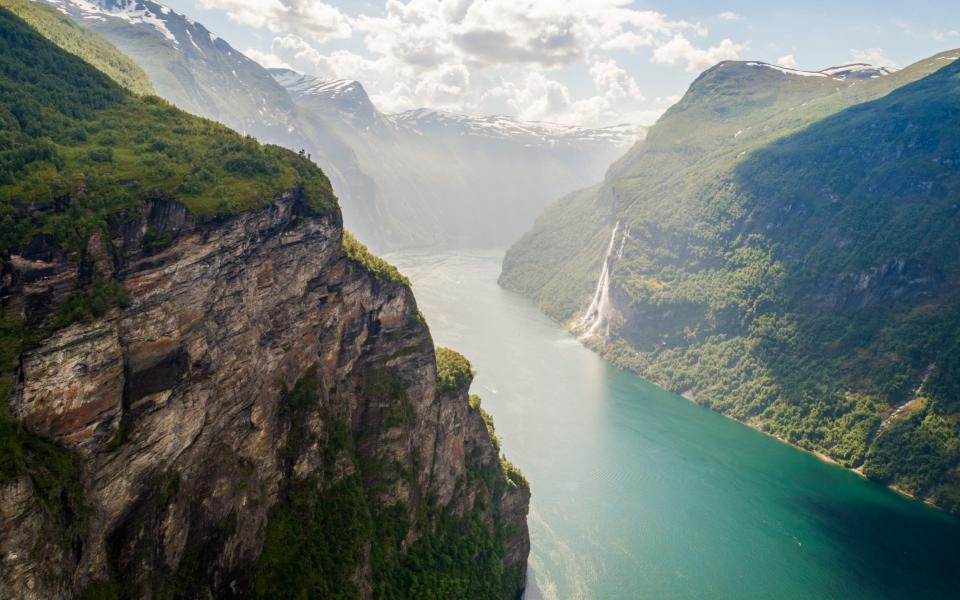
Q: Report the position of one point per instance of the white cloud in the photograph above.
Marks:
(540, 98)
(679, 49)
(873, 56)
(444, 86)
(310, 18)
(788, 61)
(729, 15)
(266, 59)
(943, 36)
(484, 55)
(613, 82)
(502, 32)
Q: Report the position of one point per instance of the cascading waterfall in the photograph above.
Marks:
(623, 241)
(596, 315)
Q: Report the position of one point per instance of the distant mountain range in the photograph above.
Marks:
(783, 248)
(442, 178)
(419, 178)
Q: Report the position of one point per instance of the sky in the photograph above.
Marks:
(585, 62)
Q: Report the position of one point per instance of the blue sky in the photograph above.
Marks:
(590, 62)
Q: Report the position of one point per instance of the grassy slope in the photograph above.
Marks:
(88, 45)
(70, 130)
(733, 279)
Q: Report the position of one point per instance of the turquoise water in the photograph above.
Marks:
(638, 493)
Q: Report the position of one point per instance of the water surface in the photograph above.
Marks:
(638, 493)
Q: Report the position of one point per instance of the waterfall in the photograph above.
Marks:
(623, 241)
(598, 311)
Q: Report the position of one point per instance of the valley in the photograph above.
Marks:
(784, 256)
(270, 334)
(638, 493)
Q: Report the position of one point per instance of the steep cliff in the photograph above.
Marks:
(218, 395)
(253, 368)
(783, 250)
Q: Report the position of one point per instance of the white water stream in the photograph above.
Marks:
(597, 314)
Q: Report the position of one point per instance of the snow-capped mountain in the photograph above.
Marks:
(440, 177)
(189, 65)
(422, 177)
(499, 127)
(841, 73)
(341, 96)
(349, 98)
(131, 11)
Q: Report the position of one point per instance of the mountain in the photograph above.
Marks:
(88, 45)
(208, 388)
(420, 178)
(339, 98)
(528, 133)
(430, 170)
(782, 249)
(191, 67)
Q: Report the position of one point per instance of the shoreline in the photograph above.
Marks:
(691, 397)
(829, 460)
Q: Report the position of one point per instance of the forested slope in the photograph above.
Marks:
(789, 258)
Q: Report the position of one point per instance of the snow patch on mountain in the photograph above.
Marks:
(132, 11)
(856, 71)
(842, 72)
(500, 127)
(787, 70)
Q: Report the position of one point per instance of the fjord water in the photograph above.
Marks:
(638, 493)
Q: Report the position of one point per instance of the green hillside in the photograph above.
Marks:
(729, 111)
(792, 261)
(69, 130)
(88, 45)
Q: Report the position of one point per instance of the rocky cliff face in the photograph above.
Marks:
(251, 365)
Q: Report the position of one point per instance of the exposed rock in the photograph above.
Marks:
(73, 385)
(177, 403)
(31, 563)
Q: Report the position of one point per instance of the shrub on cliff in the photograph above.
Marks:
(361, 255)
(453, 371)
